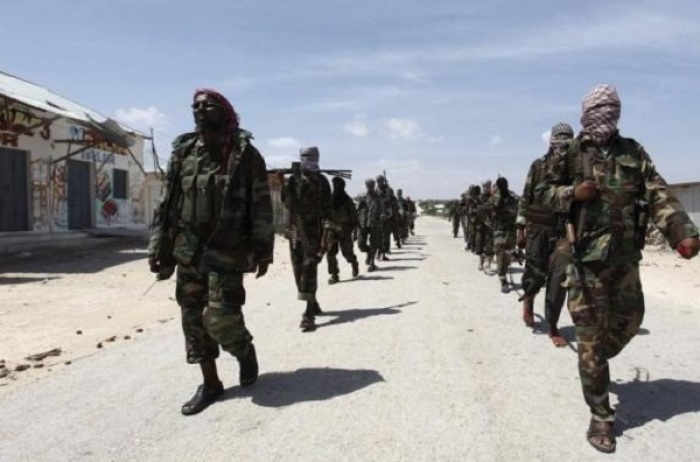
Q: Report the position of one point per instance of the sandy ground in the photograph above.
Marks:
(422, 360)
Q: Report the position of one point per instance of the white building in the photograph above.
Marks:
(63, 166)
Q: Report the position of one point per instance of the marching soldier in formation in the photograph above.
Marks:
(214, 223)
(505, 210)
(540, 233)
(342, 231)
(484, 228)
(473, 201)
(388, 213)
(609, 186)
(370, 224)
(307, 196)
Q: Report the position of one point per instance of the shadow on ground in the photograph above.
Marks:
(355, 314)
(23, 279)
(77, 261)
(363, 277)
(641, 402)
(395, 268)
(278, 389)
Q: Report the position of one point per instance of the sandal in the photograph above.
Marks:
(557, 339)
(601, 435)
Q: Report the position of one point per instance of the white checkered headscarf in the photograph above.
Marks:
(560, 135)
(600, 113)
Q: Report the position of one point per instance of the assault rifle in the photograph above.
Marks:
(296, 169)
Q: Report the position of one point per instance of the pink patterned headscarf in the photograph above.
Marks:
(600, 113)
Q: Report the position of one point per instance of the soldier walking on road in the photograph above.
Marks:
(540, 232)
(214, 223)
(608, 180)
(484, 229)
(307, 196)
(343, 231)
(473, 202)
(505, 210)
(453, 216)
(388, 215)
(369, 215)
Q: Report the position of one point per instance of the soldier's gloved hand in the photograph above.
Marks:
(688, 247)
(262, 270)
(520, 238)
(586, 191)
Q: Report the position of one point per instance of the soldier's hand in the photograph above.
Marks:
(586, 191)
(153, 264)
(688, 247)
(262, 270)
(520, 239)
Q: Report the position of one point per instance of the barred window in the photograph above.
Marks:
(120, 180)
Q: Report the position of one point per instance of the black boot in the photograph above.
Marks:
(203, 398)
(248, 370)
(308, 323)
(504, 287)
(355, 269)
(333, 279)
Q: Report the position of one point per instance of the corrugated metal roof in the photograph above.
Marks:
(44, 99)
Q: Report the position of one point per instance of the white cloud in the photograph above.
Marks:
(284, 143)
(545, 136)
(357, 127)
(143, 119)
(401, 128)
(496, 140)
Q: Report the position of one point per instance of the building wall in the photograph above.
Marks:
(689, 195)
(48, 196)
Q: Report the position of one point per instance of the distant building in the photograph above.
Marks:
(64, 166)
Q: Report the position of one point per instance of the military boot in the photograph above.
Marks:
(248, 367)
(528, 311)
(308, 324)
(504, 286)
(481, 263)
(355, 269)
(333, 279)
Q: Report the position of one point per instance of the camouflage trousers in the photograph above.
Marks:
(484, 240)
(607, 311)
(503, 243)
(471, 238)
(385, 228)
(464, 221)
(340, 241)
(369, 240)
(211, 313)
(455, 226)
(545, 265)
(305, 267)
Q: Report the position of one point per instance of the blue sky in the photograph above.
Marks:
(440, 96)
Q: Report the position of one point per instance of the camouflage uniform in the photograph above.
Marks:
(453, 216)
(369, 217)
(411, 215)
(307, 196)
(607, 303)
(402, 221)
(484, 228)
(505, 209)
(546, 255)
(473, 202)
(217, 224)
(389, 212)
(344, 222)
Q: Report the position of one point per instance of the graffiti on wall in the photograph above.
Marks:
(16, 120)
(92, 138)
(59, 195)
(107, 207)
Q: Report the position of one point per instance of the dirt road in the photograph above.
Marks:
(422, 360)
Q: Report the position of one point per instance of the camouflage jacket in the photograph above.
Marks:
(388, 204)
(626, 179)
(369, 210)
(221, 217)
(308, 199)
(344, 217)
(536, 207)
(504, 212)
(473, 208)
(484, 210)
